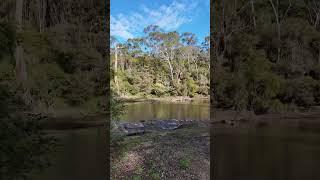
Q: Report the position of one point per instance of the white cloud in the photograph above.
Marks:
(168, 17)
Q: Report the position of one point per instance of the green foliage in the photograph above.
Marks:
(65, 66)
(192, 87)
(24, 145)
(6, 73)
(184, 164)
(66, 60)
(7, 38)
(139, 169)
(35, 44)
(136, 177)
(155, 175)
(299, 91)
(159, 89)
(144, 67)
(255, 69)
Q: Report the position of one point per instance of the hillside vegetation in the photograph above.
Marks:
(53, 53)
(266, 55)
(161, 64)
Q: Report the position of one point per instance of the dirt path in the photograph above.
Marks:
(179, 154)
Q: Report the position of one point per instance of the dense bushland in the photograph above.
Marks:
(52, 61)
(54, 53)
(161, 64)
(266, 54)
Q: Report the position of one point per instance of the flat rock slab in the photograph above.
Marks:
(162, 125)
(131, 128)
(150, 126)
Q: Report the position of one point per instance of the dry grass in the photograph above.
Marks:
(159, 155)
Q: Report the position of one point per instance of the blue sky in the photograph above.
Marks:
(130, 17)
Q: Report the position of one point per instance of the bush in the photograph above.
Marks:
(66, 60)
(192, 87)
(299, 91)
(6, 71)
(77, 90)
(24, 146)
(159, 89)
(7, 38)
(260, 106)
(277, 106)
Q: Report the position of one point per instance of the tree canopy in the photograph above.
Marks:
(266, 55)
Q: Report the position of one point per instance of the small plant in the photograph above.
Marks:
(184, 163)
(155, 175)
(136, 177)
(140, 170)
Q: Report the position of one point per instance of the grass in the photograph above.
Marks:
(155, 175)
(136, 177)
(163, 155)
(184, 163)
(140, 170)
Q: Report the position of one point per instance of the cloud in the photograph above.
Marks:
(168, 17)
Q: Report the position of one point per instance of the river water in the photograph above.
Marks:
(82, 154)
(159, 110)
(286, 151)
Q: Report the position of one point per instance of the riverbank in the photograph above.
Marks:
(179, 154)
(169, 99)
(306, 119)
(86, 121)
(68, 121)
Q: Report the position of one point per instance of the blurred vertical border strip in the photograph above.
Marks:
(108, 93)
(212, 60)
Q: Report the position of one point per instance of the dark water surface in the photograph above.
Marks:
(159, 110)
(276, 152)
(81, 156)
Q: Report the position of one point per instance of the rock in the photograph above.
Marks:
(148, 126)
(168, 124)
(132, 128)
(141, 127)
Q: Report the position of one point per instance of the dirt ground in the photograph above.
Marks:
(180, 154)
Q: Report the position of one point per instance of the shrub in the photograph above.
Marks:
(25, 147)
(7, 38)
(299, 91)
(192, 87)
(66, 60)
(159, 89)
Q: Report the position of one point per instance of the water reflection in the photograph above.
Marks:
(81, 156)
(149, 110)
(273, 152)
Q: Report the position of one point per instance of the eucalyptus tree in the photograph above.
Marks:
(189, 49)
(279, 21)
(115, 44)
(163, 45)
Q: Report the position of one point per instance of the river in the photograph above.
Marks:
(160, 110)
(82, 154)
(277, 151)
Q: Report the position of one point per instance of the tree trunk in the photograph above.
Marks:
(253, 14)
(317, 20)
(171, 70)
(279, 45)
(188, 60)
(276, 14)
(20, 69)
(319, 55)
(116, 69)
